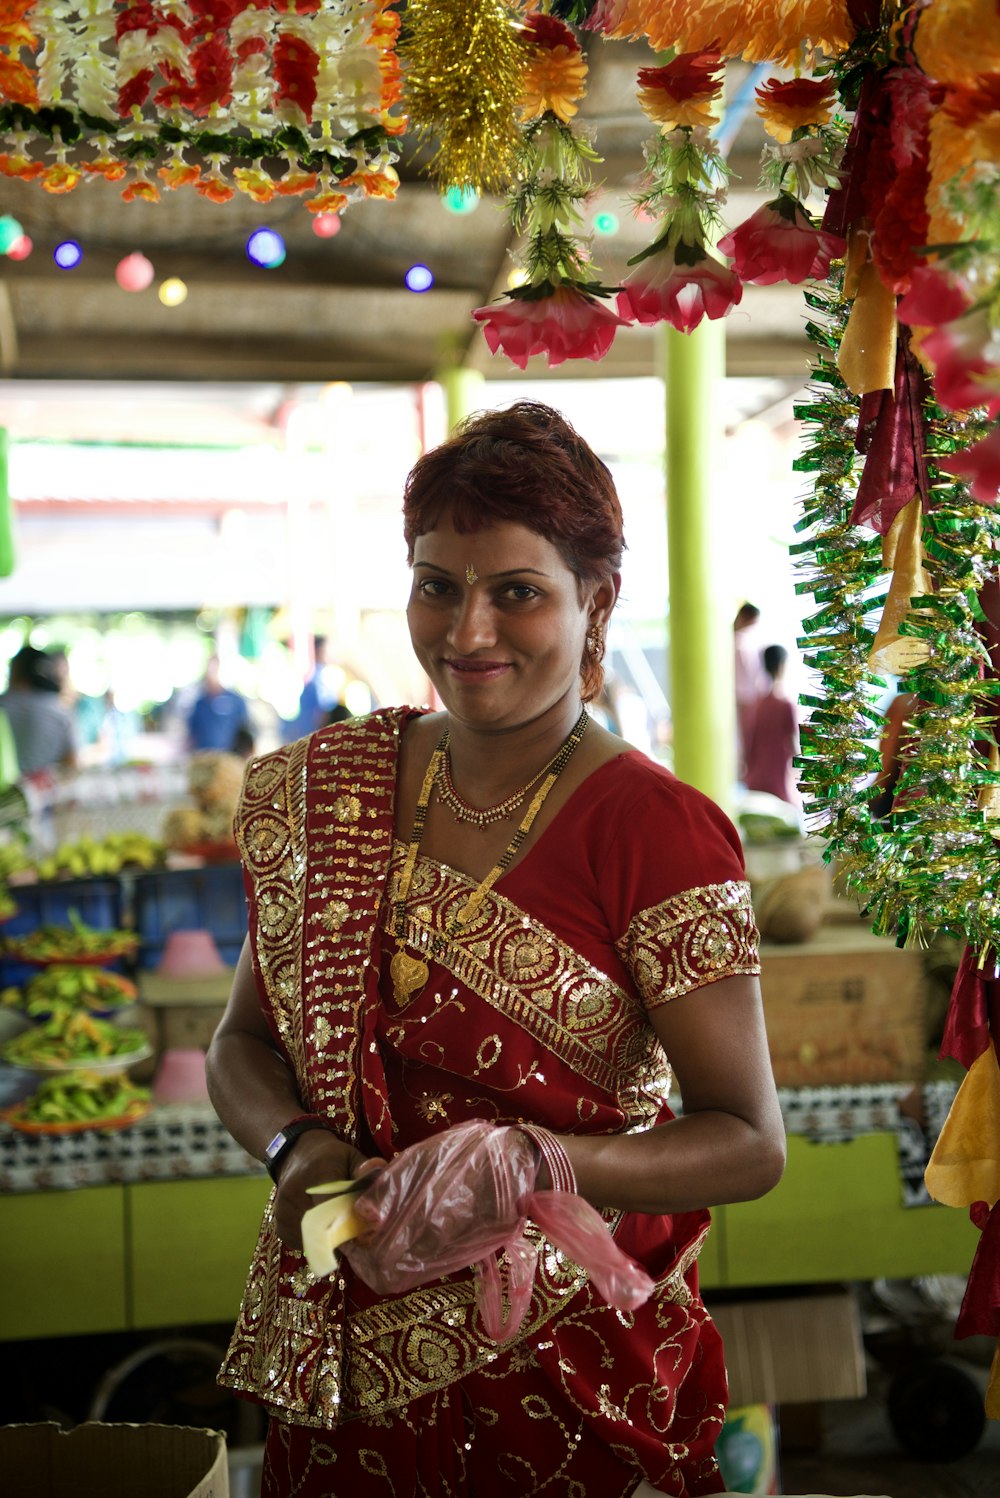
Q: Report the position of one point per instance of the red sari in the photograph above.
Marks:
(537, 1012)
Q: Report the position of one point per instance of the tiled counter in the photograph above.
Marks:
(155, 1226)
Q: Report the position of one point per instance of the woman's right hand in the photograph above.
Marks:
(316, 1157)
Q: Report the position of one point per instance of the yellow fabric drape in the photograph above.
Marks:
(965, 1163)
(902, 551)
(867, 358)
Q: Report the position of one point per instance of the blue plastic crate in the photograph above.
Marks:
(207, 899)
(98, 902)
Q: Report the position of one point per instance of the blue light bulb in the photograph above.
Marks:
(266, 248)
(419, 278)
(67, 255)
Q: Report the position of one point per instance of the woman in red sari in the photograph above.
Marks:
(498, 912)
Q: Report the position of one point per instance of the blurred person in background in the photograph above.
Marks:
(321, 695)
(751, 679)
(774, 734)
(218, 713)
(42, 726)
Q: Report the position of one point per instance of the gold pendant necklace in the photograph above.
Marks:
(409, 973)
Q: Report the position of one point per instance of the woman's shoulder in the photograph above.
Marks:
(652, 835)
(638, 783)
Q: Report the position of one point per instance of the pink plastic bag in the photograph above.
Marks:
(454, 1200)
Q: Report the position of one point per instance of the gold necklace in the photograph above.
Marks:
(485, 816)
(409, 974)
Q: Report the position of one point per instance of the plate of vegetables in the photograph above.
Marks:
(70, 1040)
(65, 986)
(79, 1101)
(71, 945)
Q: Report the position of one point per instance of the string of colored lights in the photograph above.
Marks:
(265, 248)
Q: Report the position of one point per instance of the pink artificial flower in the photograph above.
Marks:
(965, 374)
(780, 242)
(679, 286)
(566, 323)
(980, 465)
(934, 297)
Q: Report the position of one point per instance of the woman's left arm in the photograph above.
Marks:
(729, 1144)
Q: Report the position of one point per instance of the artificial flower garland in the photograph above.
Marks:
(677, 278)
(559, 309)
(127, 90)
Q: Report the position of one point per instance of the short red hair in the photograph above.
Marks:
(524, 463)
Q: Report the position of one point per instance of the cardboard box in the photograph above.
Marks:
(846, 1007)
(113, 1461)
(791, 1347)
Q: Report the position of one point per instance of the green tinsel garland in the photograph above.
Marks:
(932, 865)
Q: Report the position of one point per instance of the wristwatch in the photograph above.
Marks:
(282, 1142)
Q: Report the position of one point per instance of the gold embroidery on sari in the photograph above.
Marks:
(521, 968)
(311, 934)
(696, 937)
(414, 1344)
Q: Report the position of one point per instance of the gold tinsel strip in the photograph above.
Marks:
(463, 64)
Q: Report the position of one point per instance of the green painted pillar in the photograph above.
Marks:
(702, 692)
(461, 388)
(6, 519)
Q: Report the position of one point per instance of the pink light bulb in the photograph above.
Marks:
(20, 249)
(326, 225)
(134, 273)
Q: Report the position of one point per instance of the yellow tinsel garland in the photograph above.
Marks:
(463, 64)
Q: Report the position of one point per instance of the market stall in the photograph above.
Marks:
(891, 115)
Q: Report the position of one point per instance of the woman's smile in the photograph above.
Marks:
(472, 672)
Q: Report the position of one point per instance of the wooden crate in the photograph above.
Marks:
(846, 1007)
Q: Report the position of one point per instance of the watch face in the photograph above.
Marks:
(275, 1146)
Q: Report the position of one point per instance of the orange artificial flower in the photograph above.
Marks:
(111, 171)
(384, 35)
(255, 183)
(179, 173)
(327, 202)
(957, 40)
(393, 126)
(20, 166)
(969, 107)
(964, 131)
(383, 184)
(17, 83)
(140, 190)
(295, 182)
(757, 30)
(794, 105)
(682, 92)
(61, 177)
(215, 190)
(556, 70)
(14, 30)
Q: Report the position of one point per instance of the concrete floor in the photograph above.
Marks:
(841, 1449)
(859, 1453)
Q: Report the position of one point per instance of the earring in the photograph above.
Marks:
(595, 642)
(471, 575)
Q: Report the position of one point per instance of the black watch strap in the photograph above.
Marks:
(282, 1142)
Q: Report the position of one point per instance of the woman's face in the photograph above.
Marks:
(504, 648)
